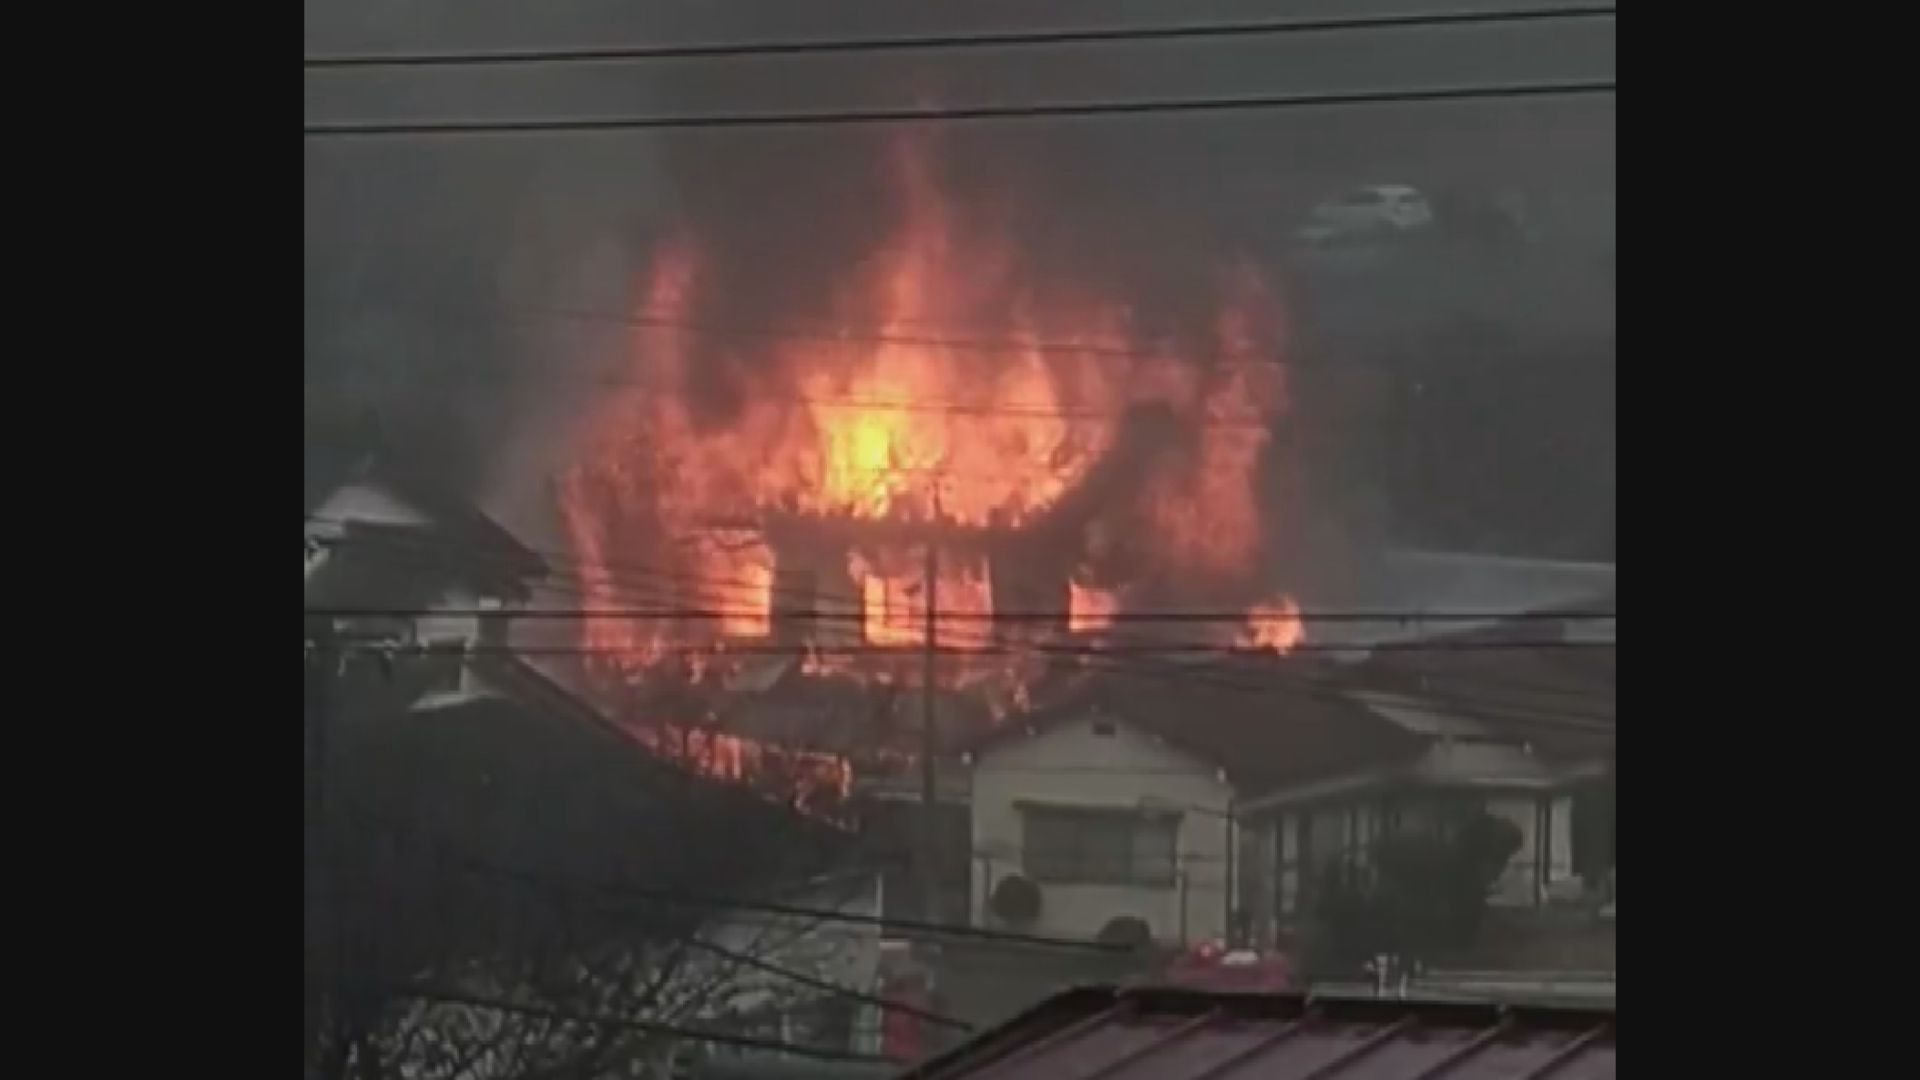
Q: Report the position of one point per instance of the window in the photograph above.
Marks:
(1117, 847)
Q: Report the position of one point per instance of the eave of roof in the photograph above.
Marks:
(482, 536)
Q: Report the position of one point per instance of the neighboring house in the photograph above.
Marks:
(415, 566)
(1524, 733)
(1513, 713)
(1452, 763)
(875, 728)
(440, 739)
(1120, 801)
(1108, 820)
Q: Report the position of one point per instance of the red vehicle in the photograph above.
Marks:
(1212, 966)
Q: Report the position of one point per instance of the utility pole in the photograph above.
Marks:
(930, 741)
(323, 657)
(1613, 820)
(322, 663)
(1231, 891)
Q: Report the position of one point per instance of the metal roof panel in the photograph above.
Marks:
(1167, 1034)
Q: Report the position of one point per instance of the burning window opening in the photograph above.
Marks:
(1273, 625)
(1089, 608)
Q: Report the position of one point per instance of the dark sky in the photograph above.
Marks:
(430, 261)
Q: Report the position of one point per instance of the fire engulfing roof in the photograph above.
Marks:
(1165, 1034)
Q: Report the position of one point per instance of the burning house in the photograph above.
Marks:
(813, 493)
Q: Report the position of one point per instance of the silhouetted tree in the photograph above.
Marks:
(473, 871)
(1421, 892)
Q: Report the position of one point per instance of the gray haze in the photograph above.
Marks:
(435, 266)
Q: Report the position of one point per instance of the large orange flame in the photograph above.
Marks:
(947, 399)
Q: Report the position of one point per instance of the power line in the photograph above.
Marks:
(1012, 346)
(853, 611)
(737, 956)
(855, 615)
(661, 581)
(1335, 691)
(946, 615)
(615, 576)
(1460, 692)
(1155, 649)
(679, 898)
(830, 987)
(1156, 663)
(955, 42)
(1285, 683)
(814, 982)
(448, 996)
(678, 582)
(1023, 410)
(967, 113)
(668, 584)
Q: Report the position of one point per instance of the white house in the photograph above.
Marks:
(1108, 820)
(409, 566)
(1121, 798)
(1208, 803)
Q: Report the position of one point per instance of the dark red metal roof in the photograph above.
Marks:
(1184, 1034)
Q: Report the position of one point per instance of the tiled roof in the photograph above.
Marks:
(1165, 1034)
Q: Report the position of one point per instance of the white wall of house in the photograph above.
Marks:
(1099, 763)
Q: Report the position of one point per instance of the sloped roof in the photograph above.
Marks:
(1558, 698)
(533, 777)
(1265, 721)
(1167, 1034)
(467, 533)
(1274, 722)
(523, 681)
